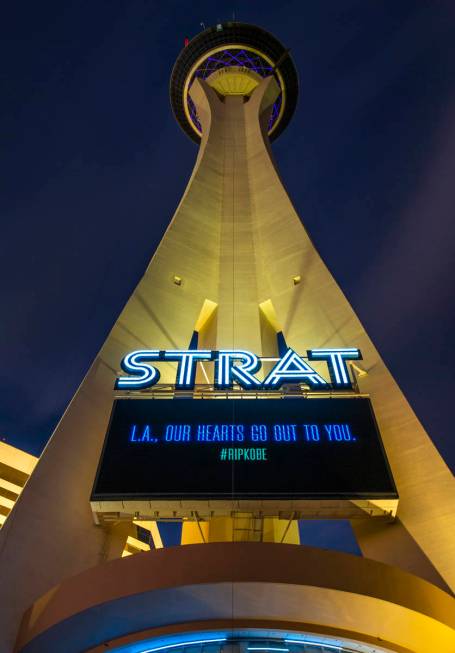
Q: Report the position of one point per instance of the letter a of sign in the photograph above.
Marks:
(293, 369)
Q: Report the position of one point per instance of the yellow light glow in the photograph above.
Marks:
(234, 81)
(137, 544)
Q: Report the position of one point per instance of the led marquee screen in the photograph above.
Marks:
(243, 448)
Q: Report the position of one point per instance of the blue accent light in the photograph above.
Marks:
(267, 648)
(281, 342)
(180, 644)
(336, 358)
(193, 114)
(293, 369)
(186, 371)
(143, 375)
(249, 640)
(226, 372)
(194, 340)
(315, 643)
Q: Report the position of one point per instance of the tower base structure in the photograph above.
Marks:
(271, 596)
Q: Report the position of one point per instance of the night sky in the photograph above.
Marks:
(93, 166)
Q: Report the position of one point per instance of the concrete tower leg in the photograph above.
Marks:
(51, 534)
(391, 543)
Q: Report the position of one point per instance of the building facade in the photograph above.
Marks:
(235, 306)
(15, 469)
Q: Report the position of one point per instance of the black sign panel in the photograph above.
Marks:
(243, 448)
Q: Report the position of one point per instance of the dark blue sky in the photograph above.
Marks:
(93, 165)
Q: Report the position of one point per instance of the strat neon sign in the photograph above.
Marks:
(238, 366)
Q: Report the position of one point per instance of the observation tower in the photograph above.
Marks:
(236, 396)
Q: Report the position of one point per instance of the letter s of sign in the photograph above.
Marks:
(141, 373)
